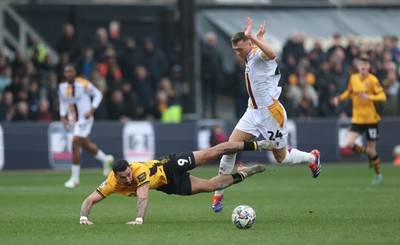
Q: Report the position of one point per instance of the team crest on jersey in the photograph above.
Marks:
(103, 184)
(142, 177)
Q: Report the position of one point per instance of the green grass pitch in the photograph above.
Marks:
(339, 207)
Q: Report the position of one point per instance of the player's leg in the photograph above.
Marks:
(350, 141)
(228, 148)
(76, 160)
(274, 128)
(223, 181)
(227, 164)
(372, 135)
(84, 132)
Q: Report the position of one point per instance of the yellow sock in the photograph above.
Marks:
(376, 163)
(358, 149)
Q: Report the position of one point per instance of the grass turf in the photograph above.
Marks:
(339, 207)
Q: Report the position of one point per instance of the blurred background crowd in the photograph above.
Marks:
(140, 81)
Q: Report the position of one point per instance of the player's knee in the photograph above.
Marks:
(370, 152)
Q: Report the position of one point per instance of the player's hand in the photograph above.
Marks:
(88, 114)
(134, 222)
(262, 29)
(65, 123)
(335, 101)
(86, 222)
(364, 96)
(247, 29)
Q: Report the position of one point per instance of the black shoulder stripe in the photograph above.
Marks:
(101, 194)
(277, 70)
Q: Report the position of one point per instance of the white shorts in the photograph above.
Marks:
(83, 127)
(269, 122)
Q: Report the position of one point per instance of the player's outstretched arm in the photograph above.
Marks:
(143, 201)
(87, 207)
(267, 52)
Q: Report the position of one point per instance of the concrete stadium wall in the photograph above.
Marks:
(44, 146)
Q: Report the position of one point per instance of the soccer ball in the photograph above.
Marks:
(243, 217)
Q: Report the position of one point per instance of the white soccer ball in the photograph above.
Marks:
(243, 217)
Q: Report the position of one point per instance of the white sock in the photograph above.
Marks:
(295, 156)
(101, 156)
(226, 166)
(75, 170)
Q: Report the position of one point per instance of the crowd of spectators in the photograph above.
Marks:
(142, 82)
(311, 79)
(138, 82)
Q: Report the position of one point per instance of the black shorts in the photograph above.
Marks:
(176, 169)
(371, 130)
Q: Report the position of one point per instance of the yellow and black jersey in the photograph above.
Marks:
(142, 172)
(364, 111)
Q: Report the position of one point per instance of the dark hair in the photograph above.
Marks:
(120, 165)
(364, 57)
(239, 36)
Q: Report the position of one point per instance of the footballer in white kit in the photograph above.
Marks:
(79, 99)
(265, 115)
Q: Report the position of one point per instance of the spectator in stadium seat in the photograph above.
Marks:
(327, 90)
(18, 63)
(337, 44)
(211, 74)
(352, 51)
(169, 88)
(130, 58)
(307, 106)
(170, 174)
(144, 90)
(8, 105)
(110, 70)
(117, 108)
(21, 112)
(44, 114)
(101, 44)
(155, 62)
(294, 47)
(114, 33)
(339, 70)
(87, 62)
(68, 42)
(175, 56)
(79, 100)
(391, 86)
(5, 75)
(239, 87)
(316, 56)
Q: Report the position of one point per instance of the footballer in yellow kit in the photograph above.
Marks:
(142, 173)
(170, 175)
(364, 90)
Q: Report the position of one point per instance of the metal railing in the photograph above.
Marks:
(18, 42)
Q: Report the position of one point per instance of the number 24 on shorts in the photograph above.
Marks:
(273, 136)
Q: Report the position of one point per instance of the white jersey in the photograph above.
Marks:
(262, 78)
(265, 115)
(76, 99)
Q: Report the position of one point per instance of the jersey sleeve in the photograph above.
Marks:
(379, 94)
(96, 94)
(346, 94)
(141, 174)
(63, 104)
(106, 188)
